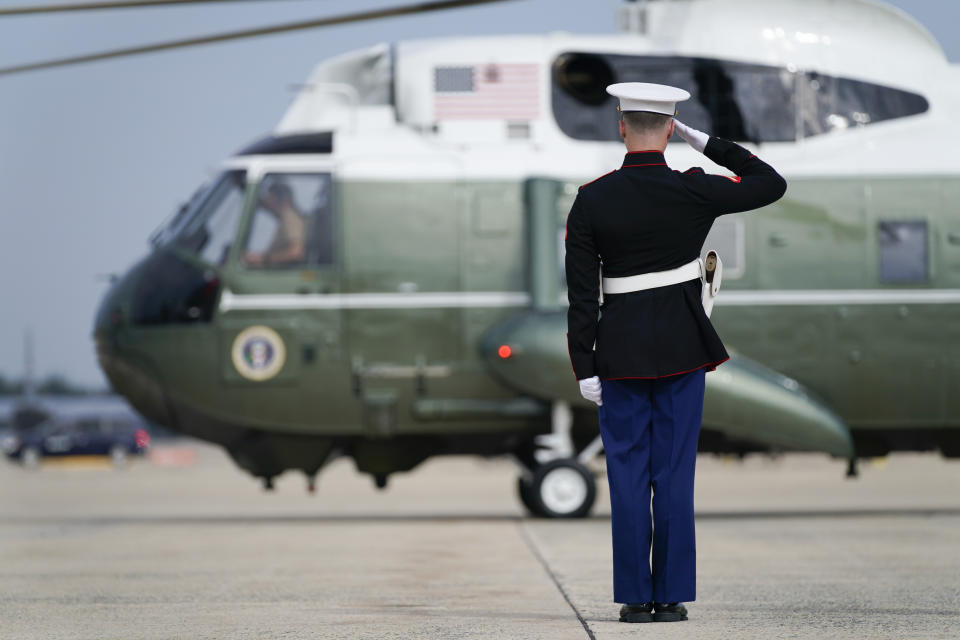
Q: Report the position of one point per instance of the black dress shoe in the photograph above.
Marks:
(672, 612)
(636, 612)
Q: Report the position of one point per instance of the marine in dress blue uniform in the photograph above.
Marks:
(643, 354)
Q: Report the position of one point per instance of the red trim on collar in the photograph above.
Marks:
(595, 179)
(732, 178)
(644, 159)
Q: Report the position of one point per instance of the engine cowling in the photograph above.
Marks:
(745, 401)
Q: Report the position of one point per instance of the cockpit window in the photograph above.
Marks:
(292, 224)
(174, 224)
(742, 102)
(210, 230)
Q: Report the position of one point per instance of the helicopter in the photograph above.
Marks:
(381, 277)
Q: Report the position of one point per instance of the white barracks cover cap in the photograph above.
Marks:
(643, 96)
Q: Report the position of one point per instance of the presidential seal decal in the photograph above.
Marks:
(258, 353)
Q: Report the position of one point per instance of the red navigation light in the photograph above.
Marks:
(504, 351)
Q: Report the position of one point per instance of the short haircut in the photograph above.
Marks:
(640, 122)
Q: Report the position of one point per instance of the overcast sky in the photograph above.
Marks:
(94, 157)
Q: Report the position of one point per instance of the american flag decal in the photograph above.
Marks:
(487, 91)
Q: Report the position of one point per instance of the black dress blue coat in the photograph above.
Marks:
(647, 217)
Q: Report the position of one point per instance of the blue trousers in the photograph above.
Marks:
(650, 430)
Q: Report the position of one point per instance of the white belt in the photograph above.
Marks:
(710, 280)
(640, 282)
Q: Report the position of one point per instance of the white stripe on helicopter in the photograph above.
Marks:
(467, 299)
(431, 300)
(839, 297)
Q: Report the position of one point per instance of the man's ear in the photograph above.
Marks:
(623, 130)
(672, 126)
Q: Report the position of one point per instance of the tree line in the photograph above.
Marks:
(54, 384)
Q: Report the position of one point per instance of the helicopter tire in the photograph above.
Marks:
(528, 497)
(563, 488)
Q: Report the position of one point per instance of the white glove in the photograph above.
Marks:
(590, 389)
(696, 139)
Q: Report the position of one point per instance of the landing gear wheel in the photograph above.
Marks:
(563, 489)
(527, 496)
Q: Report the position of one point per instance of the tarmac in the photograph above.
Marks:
(185, 545)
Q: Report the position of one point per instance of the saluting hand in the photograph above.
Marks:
(590, 389)
(696, 139)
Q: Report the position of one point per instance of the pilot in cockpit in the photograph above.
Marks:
(288, 245)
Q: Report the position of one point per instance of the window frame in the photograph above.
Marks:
(257, 170)
(174, 237)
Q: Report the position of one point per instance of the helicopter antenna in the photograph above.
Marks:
(361, 16)
(97, 6)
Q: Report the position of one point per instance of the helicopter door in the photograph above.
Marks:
(402, 322)
(282, 321)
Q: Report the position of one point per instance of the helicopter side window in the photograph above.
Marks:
(903, 251)
(292, 224)
(732, 100)
(210, 230)
(834, 104)
(735, 110)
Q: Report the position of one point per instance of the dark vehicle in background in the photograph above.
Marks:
(116, 437)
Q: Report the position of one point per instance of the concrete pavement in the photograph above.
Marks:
(787, 549)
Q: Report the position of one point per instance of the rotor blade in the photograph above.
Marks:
(96, 6)
(423, 7)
